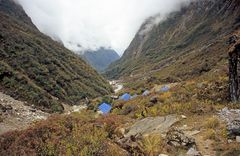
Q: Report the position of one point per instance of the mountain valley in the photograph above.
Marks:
(168, 95)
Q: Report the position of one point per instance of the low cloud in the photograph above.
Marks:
(90, 24)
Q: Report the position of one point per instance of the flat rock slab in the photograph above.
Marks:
(152, 125)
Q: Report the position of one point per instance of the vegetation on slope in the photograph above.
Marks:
(39, 70)
(76, 134)
(87, 133)
(193, 38)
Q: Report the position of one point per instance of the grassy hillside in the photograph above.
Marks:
(39, 70)
(187, 44)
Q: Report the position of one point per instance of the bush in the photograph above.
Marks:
(107, 99)
(57, 107)
(76, 134)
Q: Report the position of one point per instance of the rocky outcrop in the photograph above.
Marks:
(232, 118)
(234, 69)
(177, 138)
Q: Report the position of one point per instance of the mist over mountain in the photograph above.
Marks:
(89, 25)
(101, 58)
(186, 44)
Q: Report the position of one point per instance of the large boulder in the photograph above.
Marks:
(152, 125)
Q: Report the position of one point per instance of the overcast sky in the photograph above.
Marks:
(95, 23)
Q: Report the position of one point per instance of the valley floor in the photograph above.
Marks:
(191, 118)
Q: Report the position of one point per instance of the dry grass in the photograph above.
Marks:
(210, 134)
(212, 123)
(152, 145)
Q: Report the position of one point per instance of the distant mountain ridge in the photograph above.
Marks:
(188, 43)
(36, 69)
(101, 58)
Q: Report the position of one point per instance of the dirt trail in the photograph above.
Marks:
(204, 146)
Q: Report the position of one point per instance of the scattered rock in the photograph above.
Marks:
(192, 133)
(232, 118)
(5, 108)
(2, 108)
(17, 115)
(219, 100)
(162, 155)
(33, 110)
(120, 132)
(238, 139)
(154, 100)
(206, 146)
(193, 152)
(233, 39)
(9, 107)
(183, 117)
(230, 141)
(200, 85)
(152, 125)
(184, 127)
(130, 144)
(177, 138)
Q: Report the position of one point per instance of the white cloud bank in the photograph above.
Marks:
(95, 23)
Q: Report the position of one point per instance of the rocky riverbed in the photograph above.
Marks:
(16, 115)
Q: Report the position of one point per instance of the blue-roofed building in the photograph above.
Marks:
(125, 97)
(105, 108)
(164, 89)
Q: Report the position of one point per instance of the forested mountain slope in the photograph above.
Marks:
(36, 69)
(188, 43)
